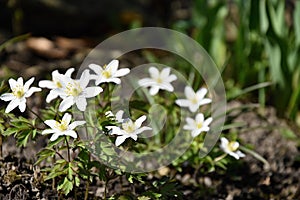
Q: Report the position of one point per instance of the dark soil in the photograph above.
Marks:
(246, 179)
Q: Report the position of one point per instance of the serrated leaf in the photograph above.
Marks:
(66, 186)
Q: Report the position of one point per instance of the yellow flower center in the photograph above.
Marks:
(63, 126)
(128, 126)
(199, 125)
(159, 80)
(57, 84)
(194, 100)
(18, 91)
(232, 147)
(106, 74)
(73, 89)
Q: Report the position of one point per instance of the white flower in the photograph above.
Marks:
(158, 80)
(128, 129)
(19, 94)
(63, 127)
(193, 100)
(197, 125)
(55, 85)
(108, 73)
(76, 92)
(231, 148)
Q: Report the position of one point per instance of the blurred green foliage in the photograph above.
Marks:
(252, 42)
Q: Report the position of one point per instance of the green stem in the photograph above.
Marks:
(257, 156)
(86, 194)
(36, 114)
(217, 159)
(68, 147)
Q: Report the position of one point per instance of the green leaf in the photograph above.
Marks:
(296, 22)
(263, 18)
(274, 54)
(277, 18)
(66, 186)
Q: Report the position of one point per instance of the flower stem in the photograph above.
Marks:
(68, 147)
(36, 114)
(86, 194)
(220, 157)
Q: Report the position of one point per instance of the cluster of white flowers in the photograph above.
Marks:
(77, 91)
(71, 91)
(162, 80)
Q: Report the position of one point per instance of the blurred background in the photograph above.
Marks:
(252, 42)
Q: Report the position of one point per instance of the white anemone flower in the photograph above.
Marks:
(158, 80)
(128, 129)
(231, 148)
(19, 94)
(55, 84)
(76, 92)
(193, 99)
(197, 125)
(108, 73)
(62, 127)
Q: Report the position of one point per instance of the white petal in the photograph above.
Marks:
(54, 136)
(195, 133)
(240, 154)
(75, 124)
(188, 127)
(193, 107)
(190, 121)
(22, 105)
(133, 136)
(154, 73)
(167, 86)
(67, 118)
(224, 141)
(116, 131)
(7, 97)
(122, 72)
(165, 73)
(139, 121)
(81, 103)
(109, 80)
(31, 91)
(200, 118)
(189, 92)
(146, 82)
(51, 123)
(119, 116)
(71, 133)
(12, 105)
(120, 140)
(20, 81)
(233, 154)
(69, 72)
(96, 68)
(92, 91)
(12, 83)
(47, 84)
(207, 121)
(113, 66)
(142, 129)
(154, 90)
(84, 79)
(52, 95)
(28, 84)
(205, 129)
(201, 93)
(47, 131)
(183, 102)
(66, 103)
(171, 78)
(204, 101)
